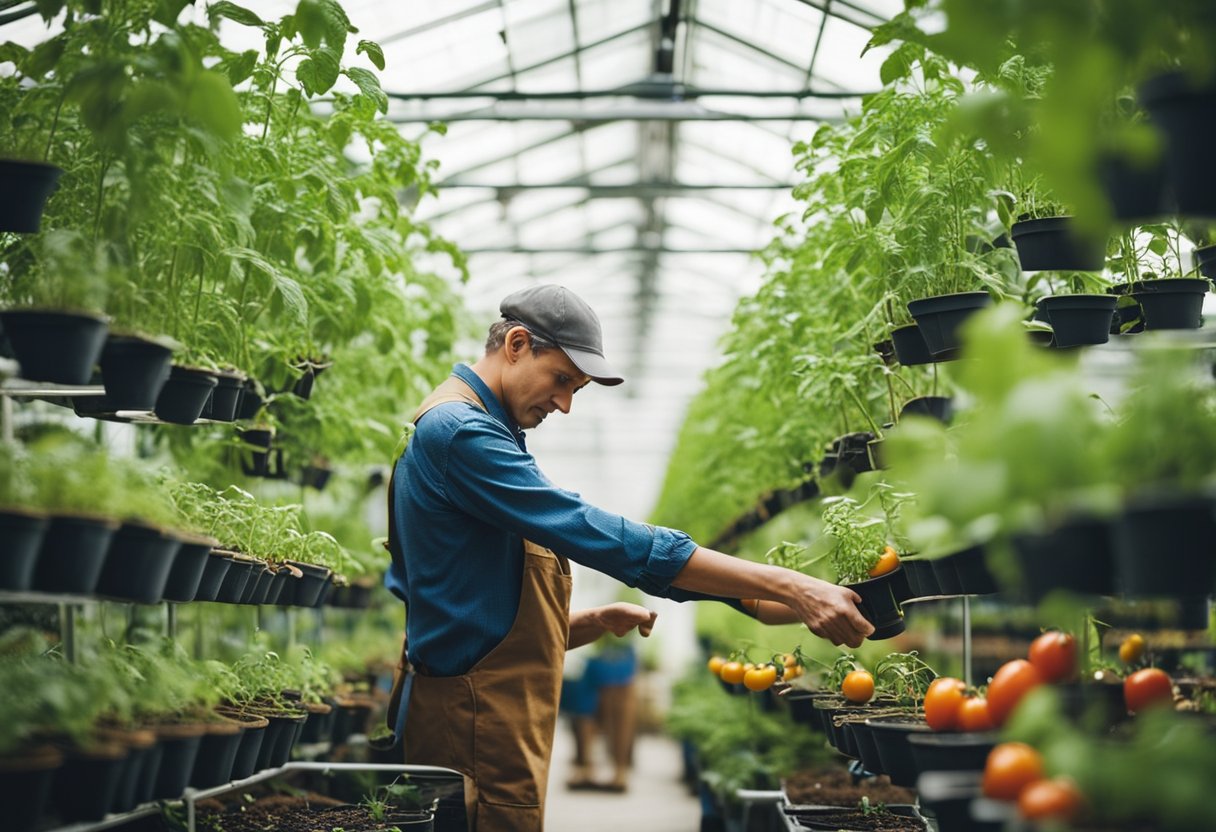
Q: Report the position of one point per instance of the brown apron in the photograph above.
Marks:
(495, 723)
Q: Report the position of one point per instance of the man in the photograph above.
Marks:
(474, 527)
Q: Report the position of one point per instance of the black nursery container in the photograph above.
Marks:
(25, 786)
(86, 785)
(253, 734)
(1075, 556)
(216, 755)
(138, 563)
(21, 535)
(1184, 111)
(1170, 303)
(232, 588)
(1134, 189)
(188, 568)
(891, 735)
(73, 554)
(1078, 320)
(951, 751)
(1163, 547)
(880, 604)
(1052, 243)
(940, 318)
(214, 572)
(184, 394)
(55, 347)
(940, 408)
(141, 751)
(909, 346)
(309, 588)
(26, 187)
(133, 371)
(225, 398)
(179, 748)
(1205, 259)
(971, 567)
(922, 581)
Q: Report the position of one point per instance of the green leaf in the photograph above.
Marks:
(14, 52)
(167, 11)
(310, 22)
(44, 57)
(369, 86)
(318, 73)
(897, 65)
(373, 51)
(241, 66)
(212, 102)
(49, 8)
(233, 12)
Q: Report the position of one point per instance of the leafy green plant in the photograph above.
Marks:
(857, 540)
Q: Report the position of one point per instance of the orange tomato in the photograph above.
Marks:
(1011, 767)
(942, 702)
(1056, 799)
(887, 561)
(760, 677)
(973, 715)
(858, 686)
(1147, 688)
(716, 664)
(1131, 649)
(732, 673)
(1012, 681)
(1054, 655)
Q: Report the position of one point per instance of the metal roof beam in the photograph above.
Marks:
(825, 6)
(593, 250)
(633, 189)
(588, 117)
(644, 91)
(439, 22)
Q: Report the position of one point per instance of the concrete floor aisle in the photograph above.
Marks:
(655, 802)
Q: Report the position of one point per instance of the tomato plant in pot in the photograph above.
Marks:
(865, 563)
(1149, 261)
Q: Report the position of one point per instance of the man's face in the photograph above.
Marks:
(536, 385)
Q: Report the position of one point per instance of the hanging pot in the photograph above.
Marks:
(1163, 546)
(26, 777)
(922, 582)
(940, 408)
(309, 588)
(232, 589)
(216, 754)
(1079, 319)
(184, 395)
(1171, 303)
(21, 535)
(879, 604)
(951, 751)
(1184, 111)
(1136, 192)
(55, 347)
(138, 563)
(133, 370)
(910, 346)
(253, 734)
(214, 572)
(891, 736)
(73, 554)
(26, 187)
(251, 400)
(179, 748)
(1205, 260)
(87, 782)
(940, 317)
(140, 745)
(188, 567)
(1052, 244)
(225, 399)
(971, 568)
(1075, 556)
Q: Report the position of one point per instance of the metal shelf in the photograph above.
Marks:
(20, 388)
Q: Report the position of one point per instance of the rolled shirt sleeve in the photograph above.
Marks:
(490, 477)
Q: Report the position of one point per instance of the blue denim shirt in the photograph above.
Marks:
(467, 494)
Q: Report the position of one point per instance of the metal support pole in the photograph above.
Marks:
(967, 640)
(171, 620)
(6, 420)
(290, 612)
(67, 631)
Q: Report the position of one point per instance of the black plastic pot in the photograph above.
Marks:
(950, 751)
(214, 572)
(216, 755)
(1052, 243)
(232, 589)
(940, 318)
(280, 739)
(947, 579)
(886, 351)
(948, 795)
(85, 785)
(1079, 319)
(877, 451)
(801, 705)
(25, 786)
(922, 581)
(315, 476)
(133, 370)
(867, 748)
(26, 187)
(1205, 259)
(1185, 113)
(1171, 303)
(309, 588)
(309, 371)
(141, 748)
(880, 605)
(351, 716)
(320, 724)
(184, 395)
(188, 567)
(1136, 192)
(891, 735)
(1075, 556)
(835, 818)
(910, 346)
(278, 585)
(224, 400)
(21, 535)
(1098, 701)
(138, 563)
(259, 441)
(179, 749)
(251, 400)
(56, 347)
(148, 771)
(940, 408)
(258, 585)
(245, 761)
(1163, 547)
(73, 554)
(853, 450)
(971, 567)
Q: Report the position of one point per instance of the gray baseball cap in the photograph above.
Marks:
(558, 315)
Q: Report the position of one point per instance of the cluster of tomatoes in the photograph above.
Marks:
(1014, 771)
(756, 677)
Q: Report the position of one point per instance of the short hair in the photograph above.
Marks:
(498, 336)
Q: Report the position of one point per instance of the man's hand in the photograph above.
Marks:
(619, 618)
(829, 611)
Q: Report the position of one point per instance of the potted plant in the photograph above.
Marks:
(864, 562)
(1150, 262)
(22, 528)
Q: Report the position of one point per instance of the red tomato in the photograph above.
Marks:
(1012, 681)
(942, 701)
(973, 715)
(1056, 800)
(1054, 655)
(1011, 767)
(1147, 688)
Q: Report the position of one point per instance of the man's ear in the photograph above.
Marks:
(518, 342)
